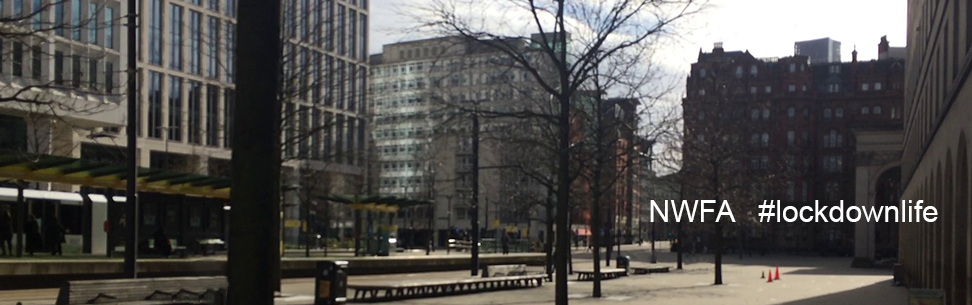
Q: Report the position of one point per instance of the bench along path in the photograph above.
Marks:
(649, 270)
(606, 274)
(179, 290)
(391, 292)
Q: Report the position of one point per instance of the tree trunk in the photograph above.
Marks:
(548, 245)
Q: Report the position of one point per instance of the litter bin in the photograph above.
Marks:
(332, 283)
(624, 262)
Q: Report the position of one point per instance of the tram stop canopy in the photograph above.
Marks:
(67, 170)
(387, 204)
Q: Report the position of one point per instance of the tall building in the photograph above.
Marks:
(186, 92)
(797, 118)
(820, 51)
(935, 165)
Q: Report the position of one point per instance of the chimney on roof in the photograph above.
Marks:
(717, 48)
(883, 47)
(854, 55)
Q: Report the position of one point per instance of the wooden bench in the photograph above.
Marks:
(180, 290)
(606, 274)
(647, 270)
(403, 291)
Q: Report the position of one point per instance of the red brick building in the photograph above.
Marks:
(798, 116)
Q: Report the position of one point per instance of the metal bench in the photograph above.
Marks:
(393, 292)
(606, 274)
(646, 270)
(180, 290)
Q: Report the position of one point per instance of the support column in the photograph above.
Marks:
(864, 197)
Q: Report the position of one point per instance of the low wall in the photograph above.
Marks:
(50, 274)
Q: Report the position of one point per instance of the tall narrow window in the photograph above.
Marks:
(36, 8)
(175, 37)
(109, 28)
(341, 28)
(18, 8)
(305, 11)
(109, 77)
(155, 106)
(790, 138)
(349, 151)
(230, 53)
(155, 33)
(76, 19)
(18, 59)
(92, 23)
(315, 137)
(195, 35)
(76, 70)
(229, 96)
(290, 120)
(175, 109)
(352, 34)
(231, 8)
(59, 18)
(212, 115)
(58, 68)
(303, 129)
(93, 74)
(194, 124)
(364, 37)
(212, 53)
(35, 62)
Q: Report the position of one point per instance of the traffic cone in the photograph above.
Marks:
(770, 278)
(763, 276)
(777, 272)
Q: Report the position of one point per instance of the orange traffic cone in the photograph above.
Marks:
(770, 278)
(777, 272)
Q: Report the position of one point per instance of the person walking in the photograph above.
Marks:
(506, 243)
(54, 235)
(6, 232)
(32, 230)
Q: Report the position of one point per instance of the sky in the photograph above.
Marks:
(767, 28)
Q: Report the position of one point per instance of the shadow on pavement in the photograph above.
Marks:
(877, 291)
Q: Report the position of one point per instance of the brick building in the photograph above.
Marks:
(798, 119)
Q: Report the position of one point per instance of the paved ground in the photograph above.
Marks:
(804, 281)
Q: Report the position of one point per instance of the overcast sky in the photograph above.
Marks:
(767, 28)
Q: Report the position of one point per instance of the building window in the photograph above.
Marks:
(789, 190)
(212, 115)
(790, 138)
(754, 140)
(893, 114)
(109, 28)
(792, 67)
(877, 86)
(229, 98)
(35, 62)
(752, 90)
(804, 88)
(76, 19)
(59, 68)
(702, 73)
(230, 49)
(195, 113)
(865, 87)
(865, 110)
(840, 112)
(109, 77)
(769, 89)
(93, 74)
(18, 59)
(76, 71)
(231, 8)
(92, 23)
(877, 110)
(195, 37)
(766, 113)
(755, 114)
(753, 70)
(175, 109)
(827, 113)
(701, 92)
(790, 112)
(792, 88)
(155, 33)
(175, 37)
(58, 18)
(739, 72)
(765, 139)
(212, 53)
(155, 105)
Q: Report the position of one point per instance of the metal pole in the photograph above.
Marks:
(306, 225)
(21, 215)
(254, 254)
(131, 204)
(475, 196)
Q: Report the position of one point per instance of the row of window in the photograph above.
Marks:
(753, 70)
(324, 23)
(398, 101)
(400, 150)
(321, 79)
(77, 20)
(398, 133)
(203, 36)
(77, 70)
(201, 105)
(313, 133)
(411, 181)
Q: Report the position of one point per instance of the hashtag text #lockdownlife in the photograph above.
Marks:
(773, 210)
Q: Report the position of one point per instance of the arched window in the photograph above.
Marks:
(827, 113)
(792, 67)
(755, 139)
(893, 112)
(791, 112)
(877, 110)
(739, 72)
(839, 112)
(790, 138)
(833, 138)
(753, 70)
(702, 73)
(840, 140)
(865, 110)
(755, 114)
(765, 139)
(766, 113)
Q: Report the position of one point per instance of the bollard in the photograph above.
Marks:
(331, 286)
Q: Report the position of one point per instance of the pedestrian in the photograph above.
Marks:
(6, 232)
(162, 245)
(506, 243)
(32, 230)
(54, 235)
